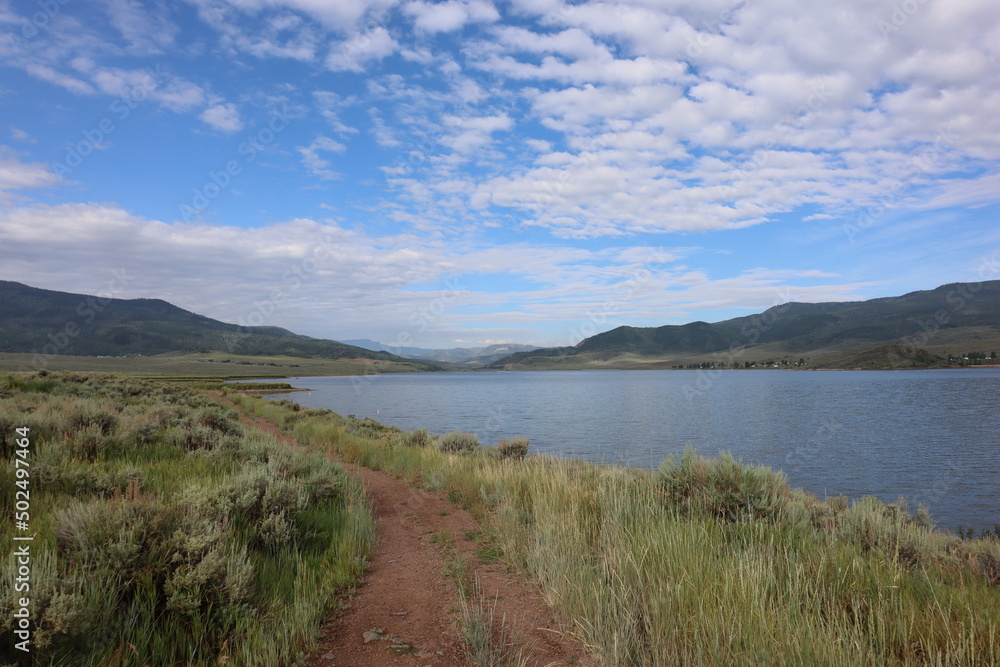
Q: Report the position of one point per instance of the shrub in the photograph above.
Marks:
(723, 488)
(459, 442)
(33, 383)
(140, 431)
(88, 442)
(221, 575)
(121, 536)
(513, 449)
(89, 413)
(873, 525)
(162, 557)
(57, 602)
(276, 530)
(220, 420)
(418, 438)
(370, 428)
(82, 479)
(321, 484)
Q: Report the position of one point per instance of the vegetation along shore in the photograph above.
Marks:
(169, 532)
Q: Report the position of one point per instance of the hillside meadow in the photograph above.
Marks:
(169, 533)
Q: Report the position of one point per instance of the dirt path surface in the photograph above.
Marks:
(405, 598)
(407, 608)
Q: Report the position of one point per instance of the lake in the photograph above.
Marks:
(929, 436)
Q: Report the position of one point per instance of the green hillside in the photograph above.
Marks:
(46, 322)
(961, 317)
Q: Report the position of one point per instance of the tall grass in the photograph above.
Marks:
(488, 639)
(712, 561)
(168, 533)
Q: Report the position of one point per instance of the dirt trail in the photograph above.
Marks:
(408, 600)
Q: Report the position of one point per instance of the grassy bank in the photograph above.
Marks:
(207, 365)
(166, 532)
(706, 562)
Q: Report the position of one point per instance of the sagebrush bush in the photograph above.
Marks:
(723, 487)
(139, 430)
(99, 416)
(175, 536)
(516, 448)
(218, 419)
(873, 525)
(418, 438)
(221, 575)
(122, 536)
(58, 606)
(459, 442)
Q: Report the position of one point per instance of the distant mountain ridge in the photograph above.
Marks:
(40, 321)
(469, 356)
(950, 313)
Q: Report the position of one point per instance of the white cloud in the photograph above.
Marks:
(147, 29)
(171, 91)
(450, 15)
(361, 49)
(973, 192)
(471, 134)
(284, 34)
(72, 84)
(573, 42)
(178, 94)
(635, 71)
(316, 165)
(340, 15)
(21, 135)
(17, 175)
(330, 105)
(223, 117)
(569, 109)
(590, 118)
(707, 116)
(321, 279)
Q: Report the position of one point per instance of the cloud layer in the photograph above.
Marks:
(319, 278)
(528, 146)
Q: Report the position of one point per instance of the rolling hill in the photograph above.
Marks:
(958, 316)
(40, 321)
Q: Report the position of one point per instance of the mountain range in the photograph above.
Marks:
(47, 322)
(956, 318)
(960, 316)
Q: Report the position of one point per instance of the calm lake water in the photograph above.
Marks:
(929, 436)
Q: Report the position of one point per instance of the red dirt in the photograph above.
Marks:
(409, 599)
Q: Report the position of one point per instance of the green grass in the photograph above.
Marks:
(710, 561)
(488, 641)
(185, 365)
(168, 532)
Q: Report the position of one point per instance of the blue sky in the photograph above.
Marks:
(469, 171)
